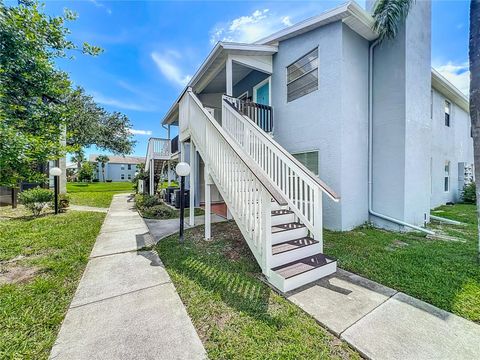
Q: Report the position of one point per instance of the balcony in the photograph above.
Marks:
(260, 114)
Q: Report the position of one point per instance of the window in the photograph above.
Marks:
(122, 176)
(122, 167)
(302, 76)
(129, 167)
(129, 176)
(447, 113)
(309, 159)
(446, 180)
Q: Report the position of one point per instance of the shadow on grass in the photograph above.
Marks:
(235, 282)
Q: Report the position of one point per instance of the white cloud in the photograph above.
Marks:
(140, 132)
(249, 28)
(286, 21)
(101, 5)
(167, 64)
(126, 105)
(457, 73)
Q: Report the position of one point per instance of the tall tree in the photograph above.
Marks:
(474, 59)
(89, 124)
(389, 15)
(103, 160)
(32, 88)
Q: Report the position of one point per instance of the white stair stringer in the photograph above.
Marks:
(282, 244)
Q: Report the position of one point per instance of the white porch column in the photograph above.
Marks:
(152, 177)
(182, 151)
(193, 170)
(229, 76)
(208, 204)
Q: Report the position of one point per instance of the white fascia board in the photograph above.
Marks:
(351, 13)
(446, 88)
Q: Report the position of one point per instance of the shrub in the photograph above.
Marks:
(95, 180)
(469, 193)
(160, 211)
(36, 199)
(146, 201)
(86, 172)
(108, 180)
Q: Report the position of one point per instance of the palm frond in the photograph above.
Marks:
(389, 15)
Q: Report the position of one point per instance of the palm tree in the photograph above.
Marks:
(474, 58)
(103, 160)
(388, 16)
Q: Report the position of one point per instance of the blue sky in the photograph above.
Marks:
(151, 48)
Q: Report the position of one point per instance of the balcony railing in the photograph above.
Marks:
(260, 114)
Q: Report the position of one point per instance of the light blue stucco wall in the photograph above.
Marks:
(248, 82)
(453, 144)
(114, 171)
(314, 121)
(401, 121)
(354, 165)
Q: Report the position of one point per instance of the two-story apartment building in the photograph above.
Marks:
(322, 99)
(118, 168)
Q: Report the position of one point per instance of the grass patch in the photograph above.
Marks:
(96, 194)
(51, 252)
(236, 314)
(443, 273)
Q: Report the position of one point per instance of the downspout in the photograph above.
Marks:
(370, 150)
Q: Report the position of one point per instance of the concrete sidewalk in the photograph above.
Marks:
(126, 306)
(382, 323)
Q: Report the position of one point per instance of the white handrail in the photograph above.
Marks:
(246, 190)
(302, 189)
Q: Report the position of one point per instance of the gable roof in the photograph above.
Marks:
(118, 159)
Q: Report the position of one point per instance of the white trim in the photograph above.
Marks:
(243, 94)
(259, 85)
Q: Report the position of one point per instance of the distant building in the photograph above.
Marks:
(119, 168)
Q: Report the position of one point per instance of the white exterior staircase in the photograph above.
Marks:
(275, 201)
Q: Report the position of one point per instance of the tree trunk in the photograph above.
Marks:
(474, 57)
(103, 173)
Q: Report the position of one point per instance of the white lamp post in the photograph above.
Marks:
(182, 169)
(55, 172)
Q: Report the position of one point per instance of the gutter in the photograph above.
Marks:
(370, 151)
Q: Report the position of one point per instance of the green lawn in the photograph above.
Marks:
(41, 262)
(443, 273)
(96, 194)
(235, 313)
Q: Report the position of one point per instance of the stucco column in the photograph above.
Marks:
(229, 76)
(193, 169)
(152, 177)
(208, 204)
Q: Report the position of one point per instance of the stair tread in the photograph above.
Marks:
(281, 212)
(285, 227)
(292, 245)
(301, 266)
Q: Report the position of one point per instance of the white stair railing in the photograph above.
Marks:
(300, 187)
(246, 190)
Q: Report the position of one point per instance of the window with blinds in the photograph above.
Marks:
(309, 159)
(302, 76)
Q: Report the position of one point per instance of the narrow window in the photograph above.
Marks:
(122, 176)
(446, 180)
(447, 113)
(302, 76)
(122, 167)
(129, 176)
(309, 159)
(129, 167)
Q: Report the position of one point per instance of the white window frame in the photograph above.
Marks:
(449, 112)
(259, 85)
(293, 62)
(309, 151)
(244, 96)
(122, 167)
(446, 176)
